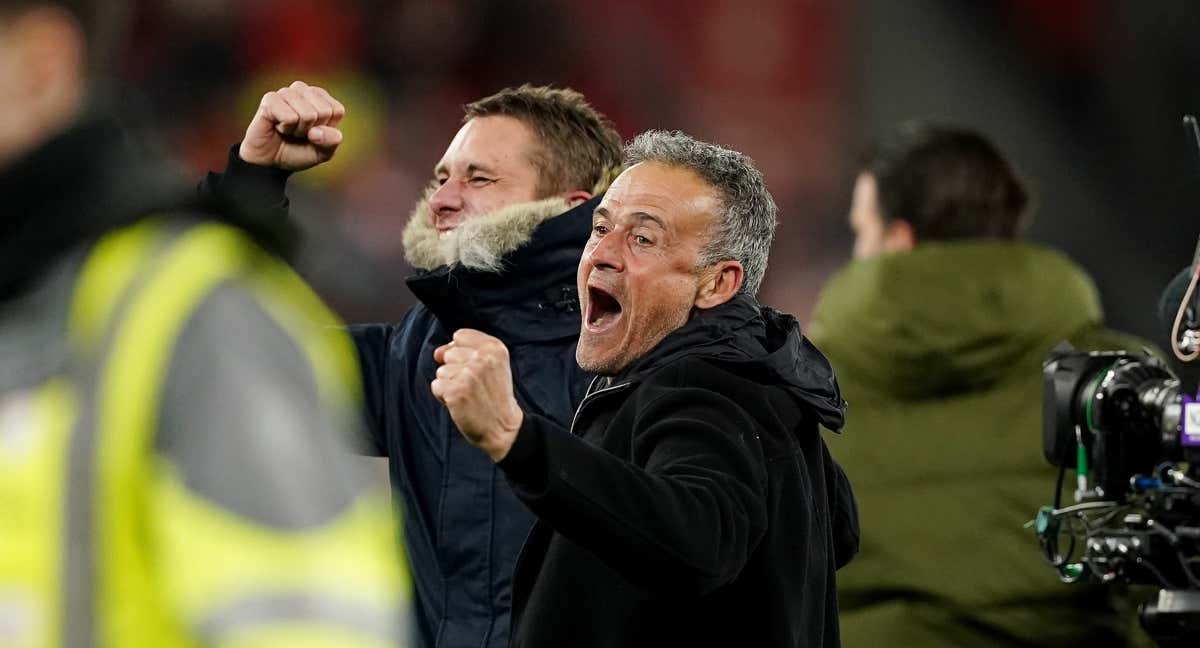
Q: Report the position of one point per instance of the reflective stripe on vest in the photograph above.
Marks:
(35, 430)
(129, 392)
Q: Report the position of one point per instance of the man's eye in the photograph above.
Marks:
(600, 229)
(440, 181)
(480, 180)
(642, 240)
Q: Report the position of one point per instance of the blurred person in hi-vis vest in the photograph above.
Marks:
(175, 414)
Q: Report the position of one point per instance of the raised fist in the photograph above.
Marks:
(475, 384)
(295, 128)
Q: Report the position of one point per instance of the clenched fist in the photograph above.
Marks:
(475, 384)
(295, 128)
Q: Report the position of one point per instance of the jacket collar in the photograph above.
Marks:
(952, 317)
(531, 297)
(757, 343)
(480, 243)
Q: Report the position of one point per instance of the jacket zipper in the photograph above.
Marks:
(591, 395)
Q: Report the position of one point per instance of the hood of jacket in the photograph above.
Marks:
(86, 181)
(77, 185)
(479, 243)
(510, 273)
(951, 317)
(758, 343)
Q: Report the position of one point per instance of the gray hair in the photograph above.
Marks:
(745, 232)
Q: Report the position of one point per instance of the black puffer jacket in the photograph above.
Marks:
(695, 504)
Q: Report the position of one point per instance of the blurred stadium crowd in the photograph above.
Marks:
(1086, 97)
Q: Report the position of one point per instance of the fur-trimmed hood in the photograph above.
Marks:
(510, 274)
(480, 243)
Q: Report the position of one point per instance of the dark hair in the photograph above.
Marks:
(948, 183)
(580, 148)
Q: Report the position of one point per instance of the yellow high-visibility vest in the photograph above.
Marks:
(102, 545)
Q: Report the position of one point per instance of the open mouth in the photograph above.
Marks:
(603, 310)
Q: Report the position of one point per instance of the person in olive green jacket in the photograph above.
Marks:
(937, 331)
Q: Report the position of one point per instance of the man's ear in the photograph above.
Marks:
(721, 282)
(899, 236)
(575, 198)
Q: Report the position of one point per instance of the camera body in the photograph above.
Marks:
(1123, 423)
(1126, 410)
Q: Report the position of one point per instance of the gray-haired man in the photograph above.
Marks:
(695, 502)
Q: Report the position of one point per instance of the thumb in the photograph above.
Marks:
(324, 136)
(259, 144)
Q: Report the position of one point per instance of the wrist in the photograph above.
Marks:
(242, 175)
(498, 448)
(248, 155)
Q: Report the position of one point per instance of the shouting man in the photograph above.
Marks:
(694, 502)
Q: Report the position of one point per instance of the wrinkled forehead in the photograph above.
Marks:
(497, 142)
(676, 195)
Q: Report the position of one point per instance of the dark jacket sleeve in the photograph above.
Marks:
(372, 342)
(253, 198)
(843, 511)
(684, 519)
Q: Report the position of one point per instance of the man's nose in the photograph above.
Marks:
(447, 197)
(607, 252)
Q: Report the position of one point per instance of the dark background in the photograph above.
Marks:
(1086, 96)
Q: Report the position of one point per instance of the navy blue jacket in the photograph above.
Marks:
(463, 525)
